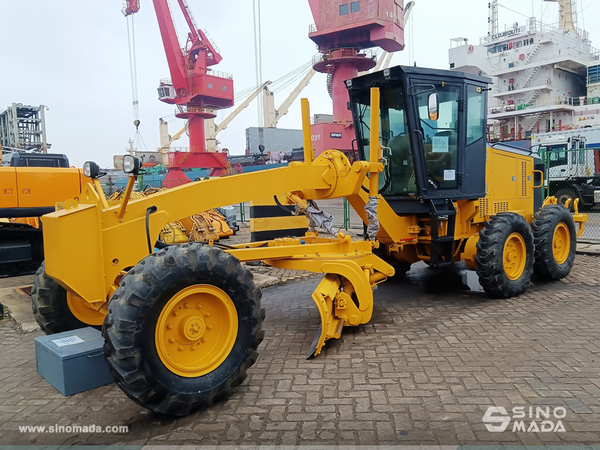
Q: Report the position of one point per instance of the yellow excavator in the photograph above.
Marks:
(30, 187)
(183, 324)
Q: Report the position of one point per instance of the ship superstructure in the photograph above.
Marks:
(546, 77)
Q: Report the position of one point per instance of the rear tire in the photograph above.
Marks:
(555, 242)
(159, 314)
(50, 307)
(505, 255)
(562, 195)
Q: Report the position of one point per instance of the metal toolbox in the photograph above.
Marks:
(72, 361)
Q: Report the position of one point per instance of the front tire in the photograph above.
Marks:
(505, 255)
(555, 242)
(183, 328)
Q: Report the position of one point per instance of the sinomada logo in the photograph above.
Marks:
(525, 418)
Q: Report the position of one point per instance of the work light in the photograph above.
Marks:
(131, 164)
(91, 170)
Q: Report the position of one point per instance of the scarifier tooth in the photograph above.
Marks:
(314, 347)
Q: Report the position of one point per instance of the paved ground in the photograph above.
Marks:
(424, 371)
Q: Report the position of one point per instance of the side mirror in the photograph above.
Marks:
(433, 104)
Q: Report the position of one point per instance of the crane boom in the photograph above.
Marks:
(212, 130)
(273, 116)
(175, 57)
(285, 106)
(178, 134)
(238, 110)
(566, 20)
(189, 18)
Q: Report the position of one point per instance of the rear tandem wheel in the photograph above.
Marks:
(183, 328)
(555, 242)
(505, 255)
(564, 194)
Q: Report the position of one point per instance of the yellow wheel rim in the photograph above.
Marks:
(196, 330)
(561, 243)
(83, 311)
(514, 256)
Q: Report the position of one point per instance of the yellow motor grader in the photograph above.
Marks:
(182, 325)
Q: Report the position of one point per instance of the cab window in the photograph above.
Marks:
(441, 136)
(475, 114)
(558, 155)
(399, 177)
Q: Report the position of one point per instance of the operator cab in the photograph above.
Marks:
(430, 156)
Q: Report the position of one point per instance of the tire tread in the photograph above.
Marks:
(133, 300)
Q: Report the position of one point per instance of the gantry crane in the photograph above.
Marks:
(193, 87)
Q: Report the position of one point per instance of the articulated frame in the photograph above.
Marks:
(90, 244)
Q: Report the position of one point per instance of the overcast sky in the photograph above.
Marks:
(72, 56)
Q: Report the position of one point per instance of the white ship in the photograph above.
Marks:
(546, 76)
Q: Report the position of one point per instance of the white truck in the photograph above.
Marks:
(573, 158)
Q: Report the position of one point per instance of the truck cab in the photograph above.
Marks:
(567, 157)
(573, 167)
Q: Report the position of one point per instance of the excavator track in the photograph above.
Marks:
(21, 249)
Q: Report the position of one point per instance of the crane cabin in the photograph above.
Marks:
(358, 24)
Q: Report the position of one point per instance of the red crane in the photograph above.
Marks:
(194, 88)
(343, 28)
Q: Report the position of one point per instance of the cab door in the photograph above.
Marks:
(559, 167)
(441, 138)
(453, 153)
(474, 160)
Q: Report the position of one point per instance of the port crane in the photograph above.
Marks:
(385, 57)
(194, 88)
(565, 15)
(211, 128)
(272, 115)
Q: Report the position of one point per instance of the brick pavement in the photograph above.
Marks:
(423, 371)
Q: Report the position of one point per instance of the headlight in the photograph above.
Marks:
(91, 170)
(131, 164)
